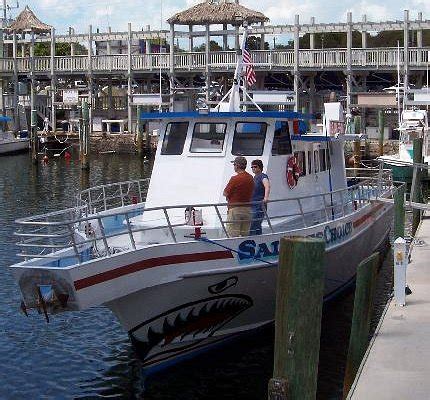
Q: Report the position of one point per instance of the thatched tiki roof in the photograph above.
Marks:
(27, 22)
(217, 12)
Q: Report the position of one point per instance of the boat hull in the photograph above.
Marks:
(176, 319)
(11, 147)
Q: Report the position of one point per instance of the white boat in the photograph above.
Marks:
(9, 143)
(158, 253)
(174, 293)
(413, 125)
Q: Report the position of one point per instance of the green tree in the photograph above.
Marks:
(61, 49)
(213, 46)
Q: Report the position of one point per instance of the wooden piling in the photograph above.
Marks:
(399, 211)
(85, 137)
(33, 137)
(363, 304)
(357, 153)
(139, 141)
(381, 121)
(416, 196)
(357, 124)
(299, 299)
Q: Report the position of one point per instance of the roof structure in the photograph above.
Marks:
(217, 12)
(28, 22)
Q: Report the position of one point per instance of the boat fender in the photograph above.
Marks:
(293, 172)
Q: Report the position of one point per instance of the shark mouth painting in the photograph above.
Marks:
(185, 327)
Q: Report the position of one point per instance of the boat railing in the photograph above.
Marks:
(93, 230)
(105, 197)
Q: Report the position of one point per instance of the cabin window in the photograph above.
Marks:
(281, 140)
(174, 139)
(208, 138)
(301, 161)
(310, 156)
(249, 139)
(323, 164)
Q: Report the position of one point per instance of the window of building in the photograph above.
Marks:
(208, 138)
(174, 138)
(301, 161)
(249, 139)
(281, 139)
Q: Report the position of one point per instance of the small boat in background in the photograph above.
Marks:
(414, 124)
(9, 143)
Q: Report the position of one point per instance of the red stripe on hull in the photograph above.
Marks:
(150, 263)
(365, 217)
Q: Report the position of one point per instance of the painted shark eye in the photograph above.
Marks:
(223, 285)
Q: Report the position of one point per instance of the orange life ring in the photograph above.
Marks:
(293, 172)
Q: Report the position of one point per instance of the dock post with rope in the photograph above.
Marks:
(139, 141)
(298, 318)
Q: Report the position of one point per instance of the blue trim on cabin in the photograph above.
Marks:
(311, 138)
(4, 118)
(244, 114)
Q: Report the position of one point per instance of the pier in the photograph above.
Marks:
(113, 70)
(396, 365)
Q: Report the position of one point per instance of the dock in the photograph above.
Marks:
(396, 364)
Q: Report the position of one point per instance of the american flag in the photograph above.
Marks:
(249, 71)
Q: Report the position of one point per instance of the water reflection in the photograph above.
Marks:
(88, 355)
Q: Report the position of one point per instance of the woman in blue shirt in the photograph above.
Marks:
(260, 196)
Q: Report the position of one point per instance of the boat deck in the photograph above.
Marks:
(397, 365)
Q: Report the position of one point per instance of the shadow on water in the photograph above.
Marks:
(88, 355)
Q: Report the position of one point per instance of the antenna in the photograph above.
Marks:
(5, 8)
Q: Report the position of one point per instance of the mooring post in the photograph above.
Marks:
(139, 142)
(416, 188)
(400, 265)
(381, 121)
(357, 153)
(363, 303)
(85, 137)
(357, 124)
(399, 211)
(33, 137)
(299, 298)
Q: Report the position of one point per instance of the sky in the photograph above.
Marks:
(118, 13)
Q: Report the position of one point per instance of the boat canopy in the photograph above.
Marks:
(4, 118)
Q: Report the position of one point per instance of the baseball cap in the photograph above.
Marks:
(240, 162)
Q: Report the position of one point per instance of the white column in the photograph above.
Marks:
(207, 54)
(190, 38)
(296, 71)
(224, 38)
(420, 38)
(406, 49)
(72, 43)
(312, 36)
(364, 35)
(53, 82)
(90, 77)
(15, 83)
(148, 41)
(172, 64)
(349, 62)
(32, 91)
(129, 81)
(262, 38)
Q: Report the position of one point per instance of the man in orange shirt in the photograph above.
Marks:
(239, 190)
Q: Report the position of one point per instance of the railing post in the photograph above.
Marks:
(367, 273)
(298, 318)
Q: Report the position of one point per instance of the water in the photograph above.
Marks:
(87, 355)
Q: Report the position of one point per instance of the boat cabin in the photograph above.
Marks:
(195, 151)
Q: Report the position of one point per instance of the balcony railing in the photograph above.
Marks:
(262, 59)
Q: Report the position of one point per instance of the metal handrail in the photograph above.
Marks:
(347, 196)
